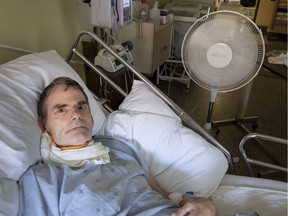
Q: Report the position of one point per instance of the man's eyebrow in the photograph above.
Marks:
(84, 102)
(59, 106)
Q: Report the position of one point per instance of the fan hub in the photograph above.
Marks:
(219, 55)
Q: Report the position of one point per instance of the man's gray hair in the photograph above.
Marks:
(68, 82)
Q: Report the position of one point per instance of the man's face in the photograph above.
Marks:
(69, 120)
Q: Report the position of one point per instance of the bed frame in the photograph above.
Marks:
(181, 113)
(188, 121)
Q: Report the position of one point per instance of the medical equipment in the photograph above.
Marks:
(109, 63)
(124, 9)
(185, 13)
(111, 13)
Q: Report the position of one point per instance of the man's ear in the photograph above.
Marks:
(41, 123)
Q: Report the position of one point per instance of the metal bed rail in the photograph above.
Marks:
(250, 161)
(15, 49)
(183, 115)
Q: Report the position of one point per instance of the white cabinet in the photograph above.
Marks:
(151, 47)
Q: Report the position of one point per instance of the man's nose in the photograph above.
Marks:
(76, 114)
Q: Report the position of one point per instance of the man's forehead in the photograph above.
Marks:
(62, 94)
(64, 88)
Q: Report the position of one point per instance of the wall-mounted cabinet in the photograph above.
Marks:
(278, 22)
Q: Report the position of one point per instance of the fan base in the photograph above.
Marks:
(253, 120)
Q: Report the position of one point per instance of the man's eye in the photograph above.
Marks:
(61, 110)
(82, 107)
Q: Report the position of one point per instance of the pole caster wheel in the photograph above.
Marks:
(216, 130)
(185, 92)
(254, 126)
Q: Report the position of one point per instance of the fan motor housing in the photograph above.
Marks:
(219, 55)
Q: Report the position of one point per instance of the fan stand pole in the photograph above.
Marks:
(240, 118)
(208, 123)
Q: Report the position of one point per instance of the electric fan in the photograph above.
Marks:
(222, 52)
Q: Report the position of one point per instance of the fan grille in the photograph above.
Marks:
(229, 29)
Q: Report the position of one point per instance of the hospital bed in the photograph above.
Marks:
(179, 153)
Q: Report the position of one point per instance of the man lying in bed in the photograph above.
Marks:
(84, 176)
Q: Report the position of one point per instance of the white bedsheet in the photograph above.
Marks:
(233, 199)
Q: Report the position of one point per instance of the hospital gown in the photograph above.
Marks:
(117, 188)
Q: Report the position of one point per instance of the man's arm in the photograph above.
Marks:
(156, 187)
(194, 206)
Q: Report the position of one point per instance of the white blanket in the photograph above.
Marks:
(232, 199)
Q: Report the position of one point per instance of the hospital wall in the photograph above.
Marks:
(38, 25)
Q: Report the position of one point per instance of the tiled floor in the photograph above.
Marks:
(268, 101)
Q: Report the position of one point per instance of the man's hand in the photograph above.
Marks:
(190, 205)
(196, 206)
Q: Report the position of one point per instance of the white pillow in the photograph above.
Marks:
(180, 159)
(21, 82)
(142, 98)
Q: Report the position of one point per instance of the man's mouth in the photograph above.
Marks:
(76, 128)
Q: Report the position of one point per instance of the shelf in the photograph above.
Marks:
(278, 22)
